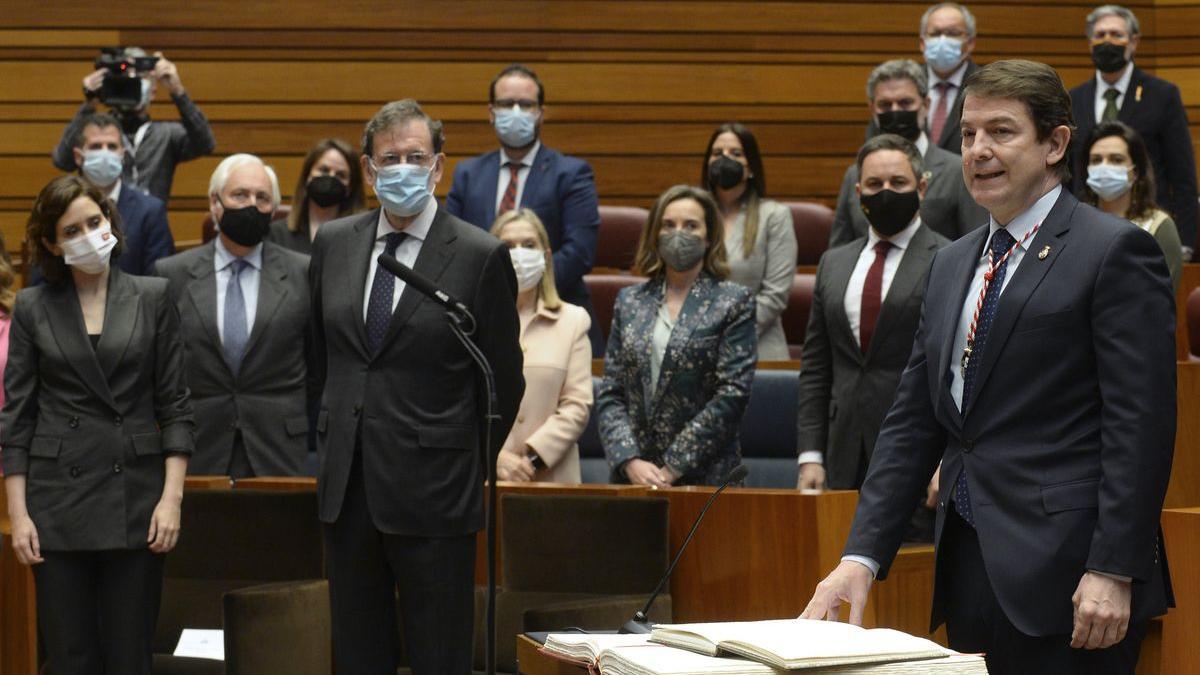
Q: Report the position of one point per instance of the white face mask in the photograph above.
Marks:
(90, 253)
(1108, 181)
(529, 265)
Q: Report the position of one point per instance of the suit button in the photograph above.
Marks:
(116, 467)
(75, 471)
(117, 421)
(73, 423)
(968, 445)
(357, 410)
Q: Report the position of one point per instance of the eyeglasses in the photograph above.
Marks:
(947, 32)
(525, 104)
(392, 159)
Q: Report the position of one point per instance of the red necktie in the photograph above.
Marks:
(939, 113)
(509, 201)
(872, 296)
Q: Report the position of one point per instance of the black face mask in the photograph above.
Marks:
(725, 173)
(327, 191)
(1109, 58)
(890, 211)
(903, 123)
(246, 226)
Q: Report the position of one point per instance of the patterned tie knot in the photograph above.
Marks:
(392, 242)
(237, 266)
(1001, 242)
(943, 87)
(1112, 94)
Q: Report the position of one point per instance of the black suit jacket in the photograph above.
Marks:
(1155, 109)
(1068, 436)
(268, 399)
(951, 138)
(844, 393)
(89, 428)
(416, 405)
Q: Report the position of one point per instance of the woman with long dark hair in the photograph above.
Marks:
(330, 187)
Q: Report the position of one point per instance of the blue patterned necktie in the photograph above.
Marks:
(1002, 241)
(379, 307)
(236, 333)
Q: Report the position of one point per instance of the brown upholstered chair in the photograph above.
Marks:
(574, 561)
(603, 289)
(795, 315)
(617, 240)
(812, 222)
(250, 562)
(208, 230)
(1193, 324)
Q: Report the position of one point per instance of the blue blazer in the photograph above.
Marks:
(147, 235)
(560, 189)
(1068, 437)
(691, 419)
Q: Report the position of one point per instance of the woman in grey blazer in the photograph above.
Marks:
(759, 240)
(96, 431)
(681, 353)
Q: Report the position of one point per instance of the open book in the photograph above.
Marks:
(792, 644)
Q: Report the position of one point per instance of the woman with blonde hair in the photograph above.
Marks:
(681, 353)
(558, 357)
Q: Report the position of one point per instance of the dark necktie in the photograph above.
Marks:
(236, 331)
(1110, 107)
(509, 201)
(379, 307)
(1002, 241)
(939, 113)
(872, 296)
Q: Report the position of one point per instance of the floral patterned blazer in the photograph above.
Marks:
(691, 420)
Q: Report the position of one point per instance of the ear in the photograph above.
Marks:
(968, 46)
(439, 165)
(858, 190)
(53, 248)
(215, 208)
(923, 185)
(1133, 44)
(1059, 140)
(491, 115)
(368, 173)
(78, 153)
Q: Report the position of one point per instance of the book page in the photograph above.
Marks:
(651, 659)
(802, 639)
(587, 645)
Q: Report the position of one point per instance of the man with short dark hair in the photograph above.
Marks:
(1042, 378)
(1151, 106)
(898, 103)
(153, 148)
(401, 420)
(525, 173)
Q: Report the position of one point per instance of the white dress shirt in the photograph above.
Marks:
(1121, 85)
(248, 279)
(955, 79)
(406, 252)
(505, 176)
(115, 193)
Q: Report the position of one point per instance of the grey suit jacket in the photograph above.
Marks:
(89, 427)
(947, 209)
(414, 409)
(844, 394)
(267, 399)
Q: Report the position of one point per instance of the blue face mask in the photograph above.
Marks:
(403, 189)
(942, 53)
(515, 127)
(102, 167)
(1107, 181)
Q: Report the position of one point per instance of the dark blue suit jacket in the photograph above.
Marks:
(1068, 437)
(560, 189)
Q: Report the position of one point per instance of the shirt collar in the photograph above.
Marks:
(527, 160)
(1121, 85)
(115, 193)
(900, 240)
(418, 229)
(922, 144)
(545, 312)
(1024, 222)
(956, 78)
(223, 258)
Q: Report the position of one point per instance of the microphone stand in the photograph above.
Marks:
(463, 325)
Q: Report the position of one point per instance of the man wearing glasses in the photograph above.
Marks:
(559, 188)
(400, 484)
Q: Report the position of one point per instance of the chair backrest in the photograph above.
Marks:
(1193, 322)
(617, 240)
(603, 289)
(795, 315)
(562, 543)
(208, 230)
(812, 222)
(768, 432)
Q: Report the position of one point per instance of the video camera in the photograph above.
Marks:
(122, 86)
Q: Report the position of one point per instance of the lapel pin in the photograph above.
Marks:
(1137, 95)
(1043, 253)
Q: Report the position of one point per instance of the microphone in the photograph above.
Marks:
(428, 289)
(639, 623)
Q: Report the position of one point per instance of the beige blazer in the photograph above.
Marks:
(558, 391)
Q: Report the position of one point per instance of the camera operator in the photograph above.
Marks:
(152, 149)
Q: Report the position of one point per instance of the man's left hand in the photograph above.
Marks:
(167, 75)
(1101, 611)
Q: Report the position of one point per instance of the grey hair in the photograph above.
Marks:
(1113, 10)
(968, 17)
(399, 113)
(892, 142)
(898, 69)
(220, 175)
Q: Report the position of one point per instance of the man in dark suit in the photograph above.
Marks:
(1122, 91)
(864, 314)
(947, 40)
(244, 306)
(401, 420)
(1042, 377)
(524, 173)
(897, 100)
(99, 153)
